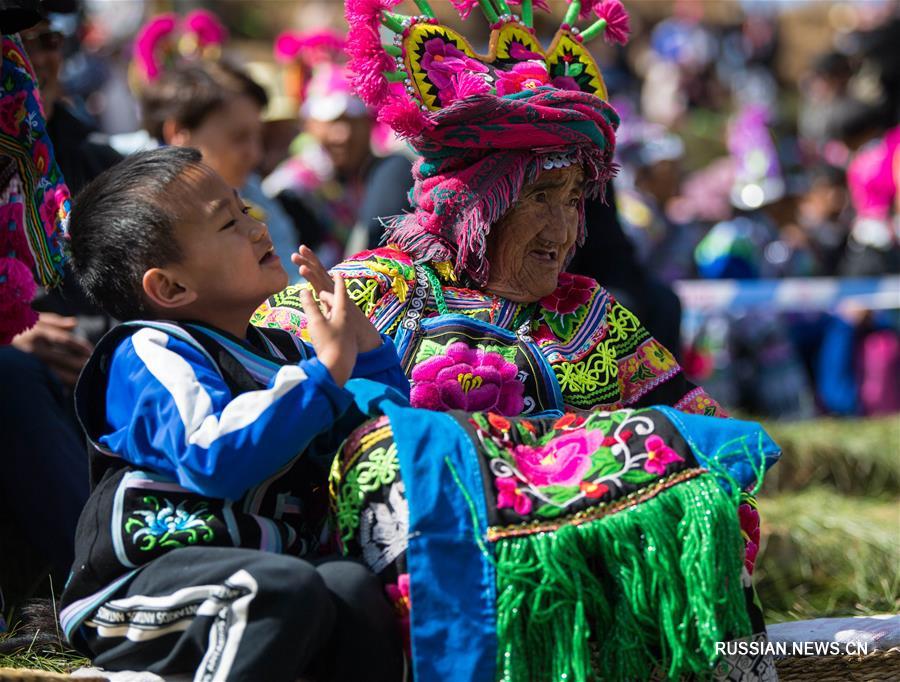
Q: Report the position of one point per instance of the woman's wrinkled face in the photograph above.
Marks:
(529, 246)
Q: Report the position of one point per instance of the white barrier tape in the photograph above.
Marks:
(797, 294)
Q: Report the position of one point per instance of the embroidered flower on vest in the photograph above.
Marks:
(468, 379)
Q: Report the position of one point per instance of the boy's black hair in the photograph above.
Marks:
(187, 94)
(121, 226)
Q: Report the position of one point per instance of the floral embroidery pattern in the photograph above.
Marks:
(469, 379)
(168, 525)
(399, 597)
(579, 459)
(443, 63)
(383, 529)
(562, 461)
(522, 76)
(659, 455)
(697, 401)
(12, 113)
(509, 496)
(380, 468)
(565, 308)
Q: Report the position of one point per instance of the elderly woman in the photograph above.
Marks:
(542, 527)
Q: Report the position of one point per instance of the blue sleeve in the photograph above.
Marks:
(382, 365)
(170, 411)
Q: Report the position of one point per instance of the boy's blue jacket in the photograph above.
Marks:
(201, 439)
(169, 410)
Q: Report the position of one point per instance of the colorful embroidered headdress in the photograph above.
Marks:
(484, 125)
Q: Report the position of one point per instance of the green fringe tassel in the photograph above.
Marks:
(650, 587)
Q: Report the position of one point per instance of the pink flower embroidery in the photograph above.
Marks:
(41, 157)
(441, 62)
(467, 379)
(466, 84)
(659, 455)
(563, 461)
(398, 595)
(572, 292)
(510, 497)
(749, 518)
(522, 76)
(12, 233)
(49, 211)
(12, 112)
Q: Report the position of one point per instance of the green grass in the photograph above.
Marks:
(828, 554)
(53, 661)
(831, 520)
(851, 456)
(53, 657)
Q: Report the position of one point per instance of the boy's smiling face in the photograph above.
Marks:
(228, 265)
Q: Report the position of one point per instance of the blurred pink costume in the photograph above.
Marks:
(872, 177)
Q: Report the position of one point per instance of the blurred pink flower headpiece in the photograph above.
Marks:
(168, 39)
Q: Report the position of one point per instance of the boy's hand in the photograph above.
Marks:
(310, 267)
(331, 333)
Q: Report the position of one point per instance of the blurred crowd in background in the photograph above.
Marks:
(759, 141)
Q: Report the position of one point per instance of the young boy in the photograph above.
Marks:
(204, 435)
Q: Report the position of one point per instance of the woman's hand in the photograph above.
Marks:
(310, 267)
(53, 340)
(331, 332)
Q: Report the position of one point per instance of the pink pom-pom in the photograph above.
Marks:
(17, 288)
(617, 26)
(359, 12)
(468, 84)
(587, 8)
(207, 27)
(148, 39)
(405, 117)
(464, 7)
(371, 86)
(368, 62)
